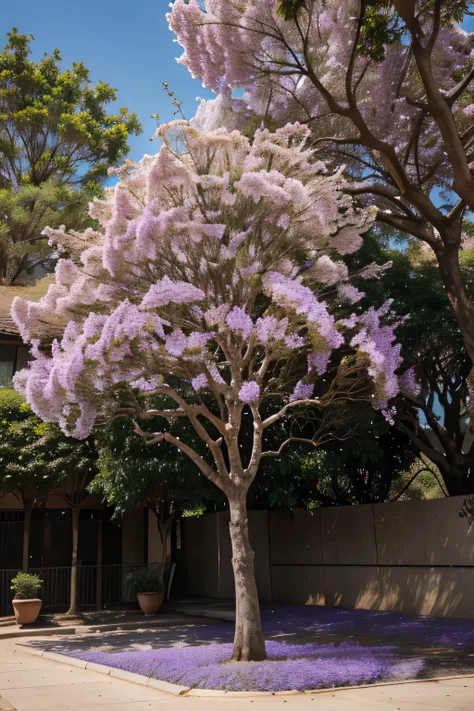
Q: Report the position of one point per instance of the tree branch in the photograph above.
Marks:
(281, 413)
(453, 95)
(205, 468)
(286, 443)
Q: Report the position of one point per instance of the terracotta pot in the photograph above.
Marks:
(150, 603)
(26, 611)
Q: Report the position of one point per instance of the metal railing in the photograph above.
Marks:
(5, 592)
(113, 591)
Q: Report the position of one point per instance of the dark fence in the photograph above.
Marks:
(113, 590)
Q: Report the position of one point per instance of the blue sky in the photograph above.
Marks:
(125, 43)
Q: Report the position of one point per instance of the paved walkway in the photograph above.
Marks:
(31, 683)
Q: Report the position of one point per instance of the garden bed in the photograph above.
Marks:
(300, 667)
(308, 648)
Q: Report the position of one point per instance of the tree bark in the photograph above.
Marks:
(461, 301)
(75, 539)
(164, 530)
(249, 644)
(98, 589)
(26, 535)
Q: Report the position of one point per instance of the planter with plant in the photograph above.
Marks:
(26, 603)
(148, 588)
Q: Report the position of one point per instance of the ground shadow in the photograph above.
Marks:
(446, 646)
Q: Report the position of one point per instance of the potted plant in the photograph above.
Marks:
(149, 589)
(26, 603)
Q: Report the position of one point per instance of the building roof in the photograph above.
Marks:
(33, 292)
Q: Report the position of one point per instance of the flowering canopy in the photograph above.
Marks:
(385, 87)
(217, 265)
(313, 65)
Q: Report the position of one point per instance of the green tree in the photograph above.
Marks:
(164, 480)
(24, 470)
(36, 459)
(74, 465)
(437, 420)
(20, 465)
(57, 142)
(361, 470)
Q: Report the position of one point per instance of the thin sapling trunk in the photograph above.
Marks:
(26, 534)
(75, 539)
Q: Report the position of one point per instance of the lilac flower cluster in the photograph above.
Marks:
(238, 320)
(250, 391)
(302, 391)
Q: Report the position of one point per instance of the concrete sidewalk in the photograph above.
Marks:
(135, 622)
(32, 683)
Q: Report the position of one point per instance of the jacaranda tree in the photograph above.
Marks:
(386, 88)
(217, 266)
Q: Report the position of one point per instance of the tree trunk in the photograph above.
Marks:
(98, 589)
(75, 538)
(164, 531)
(26, 535)
(249, 644)
(457, 484)
(461, 301)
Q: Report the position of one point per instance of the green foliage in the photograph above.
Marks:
(360, 470)
(379, 29)
(12, 406)
(132, 473)
(290, 9)
(382, 25)
(415, 286)
(57, 141)
(424, 487)
(35, 457)
(26, 586)
(143, 581)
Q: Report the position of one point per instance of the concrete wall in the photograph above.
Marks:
(413, 557)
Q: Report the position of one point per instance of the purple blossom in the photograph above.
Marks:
(378, 342)
(176, 343)
(290, 666)
(193, 261)
(302, 391)
(200, 381)
(252, 269)
(284, 221)
(319, 361)
(216, 314)
(349, 293)
(239, 321)
(290, 293)
(408, 383)
(295, 341)
(166, 291)
(250, 391)
(266, 328)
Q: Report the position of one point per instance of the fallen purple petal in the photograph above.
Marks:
(303, 666)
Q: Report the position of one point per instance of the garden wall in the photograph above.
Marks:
(413, 557)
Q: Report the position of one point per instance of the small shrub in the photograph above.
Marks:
(26, 586)
(142, 581)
